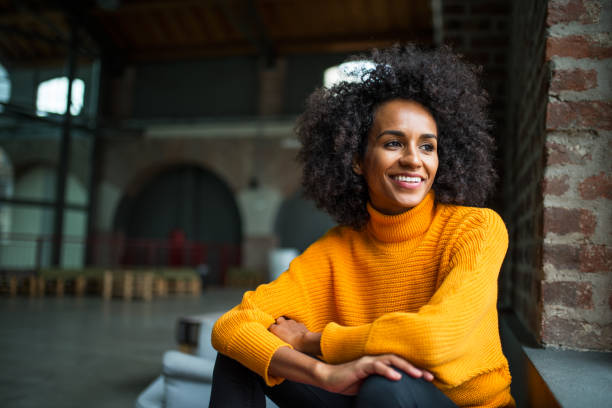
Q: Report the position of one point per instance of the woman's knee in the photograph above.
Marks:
(379, 391)
(234, 385)
(408, 392)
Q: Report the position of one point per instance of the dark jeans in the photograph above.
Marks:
(236, 386)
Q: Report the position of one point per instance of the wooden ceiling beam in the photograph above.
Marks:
(160, 5)
(248, 22)
(192, 52)
(324, 45)
(352, 42)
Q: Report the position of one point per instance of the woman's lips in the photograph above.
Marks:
(410, 182)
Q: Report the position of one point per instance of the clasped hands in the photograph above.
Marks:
(296, 334)
(343, 378)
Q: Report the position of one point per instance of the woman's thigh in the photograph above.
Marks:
(234, 385)
(291, 394)
(408, 392)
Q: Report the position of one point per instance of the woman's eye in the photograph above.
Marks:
(393, 144)
(428, 147)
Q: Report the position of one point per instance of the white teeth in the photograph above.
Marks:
(408, 179)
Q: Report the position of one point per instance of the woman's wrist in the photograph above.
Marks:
(320, 373)
(311, 344)
(297, 366)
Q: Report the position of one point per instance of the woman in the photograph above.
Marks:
(397, 305)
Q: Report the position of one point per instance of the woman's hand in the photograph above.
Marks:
(296, 334)
(347, 378)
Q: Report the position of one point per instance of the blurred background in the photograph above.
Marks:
(147, 152)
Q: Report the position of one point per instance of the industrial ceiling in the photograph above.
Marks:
(39, 31)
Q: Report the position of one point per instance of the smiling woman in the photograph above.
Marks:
(335, 126)
(401, 157)
(396, 306)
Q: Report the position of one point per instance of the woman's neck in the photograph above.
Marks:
(404, 226)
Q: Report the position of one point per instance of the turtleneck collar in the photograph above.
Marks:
(404, 226)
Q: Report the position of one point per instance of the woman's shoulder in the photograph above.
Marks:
(337, 235)
(464, 217)
(472, 227)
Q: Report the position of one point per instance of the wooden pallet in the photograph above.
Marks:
(124, 284)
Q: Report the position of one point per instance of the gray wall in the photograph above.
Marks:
(224, 87)
(214, 87)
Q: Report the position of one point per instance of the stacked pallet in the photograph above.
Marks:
(145, 284)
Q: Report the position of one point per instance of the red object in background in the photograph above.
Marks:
(177, 247)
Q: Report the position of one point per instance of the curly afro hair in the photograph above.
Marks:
(334, 128)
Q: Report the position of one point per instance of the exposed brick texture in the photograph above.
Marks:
(556, 185)
(578, 46)
(558, 189)
(562, 256)
(596, 186)
(565, 221)
(584, 258)
(583, 11)
(582, 334)
(571, 294)
(579, 115)
(479, 30)
(491, 8)
(573, 80)
(557, 153)
(524, 151)
(595, 258)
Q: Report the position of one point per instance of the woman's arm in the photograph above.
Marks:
(342, 378)
(242, 333)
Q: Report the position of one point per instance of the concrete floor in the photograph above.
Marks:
(87, 352)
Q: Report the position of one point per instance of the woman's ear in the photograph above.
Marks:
(357, 167)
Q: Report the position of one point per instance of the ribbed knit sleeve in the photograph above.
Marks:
(301, 293)
(444, 328)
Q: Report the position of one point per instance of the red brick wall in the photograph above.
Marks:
(558, 183)
(528, 80)
(479, 30)
(577, 184)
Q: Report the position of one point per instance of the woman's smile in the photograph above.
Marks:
(401, 157)
(408, 180)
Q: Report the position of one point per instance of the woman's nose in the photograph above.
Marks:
(410, 157)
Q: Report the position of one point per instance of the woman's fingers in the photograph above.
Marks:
(392, 360)
(427, 375)
(383, 369)
(410, 369)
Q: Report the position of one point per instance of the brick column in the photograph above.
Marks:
(557, 187)
(577, 185)
(528, 78)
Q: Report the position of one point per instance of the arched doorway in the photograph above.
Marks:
(183, 216)
(6, 191)
(31, 226)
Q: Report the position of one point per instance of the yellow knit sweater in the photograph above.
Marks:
(422, 285)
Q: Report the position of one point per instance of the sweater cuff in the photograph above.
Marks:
(256, 359)
(340, 344)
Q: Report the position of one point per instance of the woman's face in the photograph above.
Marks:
(401, 158)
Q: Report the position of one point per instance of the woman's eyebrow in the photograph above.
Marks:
(391, 132)
(401, 134)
